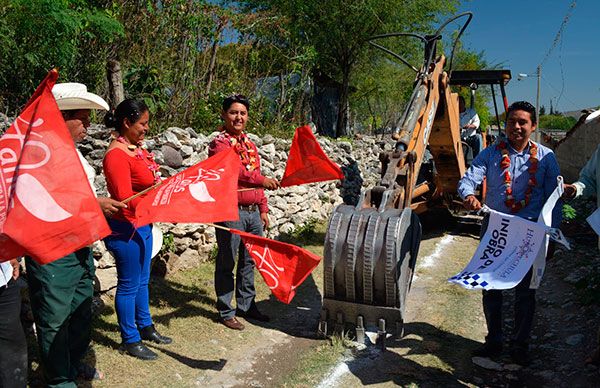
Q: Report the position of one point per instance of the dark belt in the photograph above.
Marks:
(249, 208)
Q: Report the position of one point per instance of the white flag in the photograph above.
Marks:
(510, 247)
(505, 254)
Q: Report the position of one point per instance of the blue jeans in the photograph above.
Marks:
(229, 247)
(132, 249)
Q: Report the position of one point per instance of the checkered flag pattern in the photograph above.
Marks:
(470, 279)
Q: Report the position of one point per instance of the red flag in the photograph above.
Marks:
(283, 266)
(205, 192)
(47, 207)
(307, 162)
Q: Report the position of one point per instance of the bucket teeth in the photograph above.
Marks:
(369, 260)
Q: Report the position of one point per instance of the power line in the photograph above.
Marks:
(563, 95)
(562, 73)
(558, 36)
(555, 42)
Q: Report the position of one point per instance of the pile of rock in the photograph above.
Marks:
(186, 245)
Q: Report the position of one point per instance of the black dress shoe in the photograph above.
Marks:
(488, 349)
(253, 313)
(149, 333)
(138, 350)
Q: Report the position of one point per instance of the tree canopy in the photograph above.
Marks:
(183, 56)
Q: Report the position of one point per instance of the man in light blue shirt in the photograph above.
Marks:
(520, 176)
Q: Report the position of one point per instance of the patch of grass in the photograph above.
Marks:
(312, 232)
(212, 255)
(346, 139)
(182, 307)
(312, 366)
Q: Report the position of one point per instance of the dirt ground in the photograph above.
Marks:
(445, 323)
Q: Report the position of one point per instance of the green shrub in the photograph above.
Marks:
(168, 243)
(569, 214)
(212, 256)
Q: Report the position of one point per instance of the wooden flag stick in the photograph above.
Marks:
(142, 192)
(218, 226)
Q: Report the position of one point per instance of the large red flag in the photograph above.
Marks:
(308, 162)
(205, 192)
(283, 266)
(47, 207)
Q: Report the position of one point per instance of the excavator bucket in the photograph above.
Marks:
(369, 261)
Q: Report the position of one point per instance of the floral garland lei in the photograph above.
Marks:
(510, 201)
(141, 153)
(243, 147)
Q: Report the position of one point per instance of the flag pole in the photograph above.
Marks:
(218, 226)
(142, 192)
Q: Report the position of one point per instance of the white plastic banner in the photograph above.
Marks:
(594, 221)
(505, 254)
(509, 248)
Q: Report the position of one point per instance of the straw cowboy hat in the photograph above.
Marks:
(73, 96)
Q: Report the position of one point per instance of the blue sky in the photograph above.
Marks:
(517, 34)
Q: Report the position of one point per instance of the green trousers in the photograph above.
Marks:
(61, 300)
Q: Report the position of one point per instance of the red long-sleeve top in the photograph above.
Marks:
(125, 176)
(247, 178)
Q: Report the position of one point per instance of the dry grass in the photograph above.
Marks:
(182, 307)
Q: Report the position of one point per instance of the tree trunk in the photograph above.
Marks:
(342, 116)
(212, 64)
(282, 94)
(115, 82)
(324, 103)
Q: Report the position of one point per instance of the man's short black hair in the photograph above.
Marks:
(523, 105)
(239, 98)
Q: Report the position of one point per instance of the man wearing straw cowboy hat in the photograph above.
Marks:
(61, 292)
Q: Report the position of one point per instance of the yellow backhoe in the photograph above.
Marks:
(371, 249)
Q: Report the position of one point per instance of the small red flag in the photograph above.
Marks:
(308, 162)
(205, 192)
(283, 266)
(47, 207)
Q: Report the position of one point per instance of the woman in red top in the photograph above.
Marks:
(129, 169)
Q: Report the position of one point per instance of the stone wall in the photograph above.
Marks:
(577, 147)
(178, 148)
